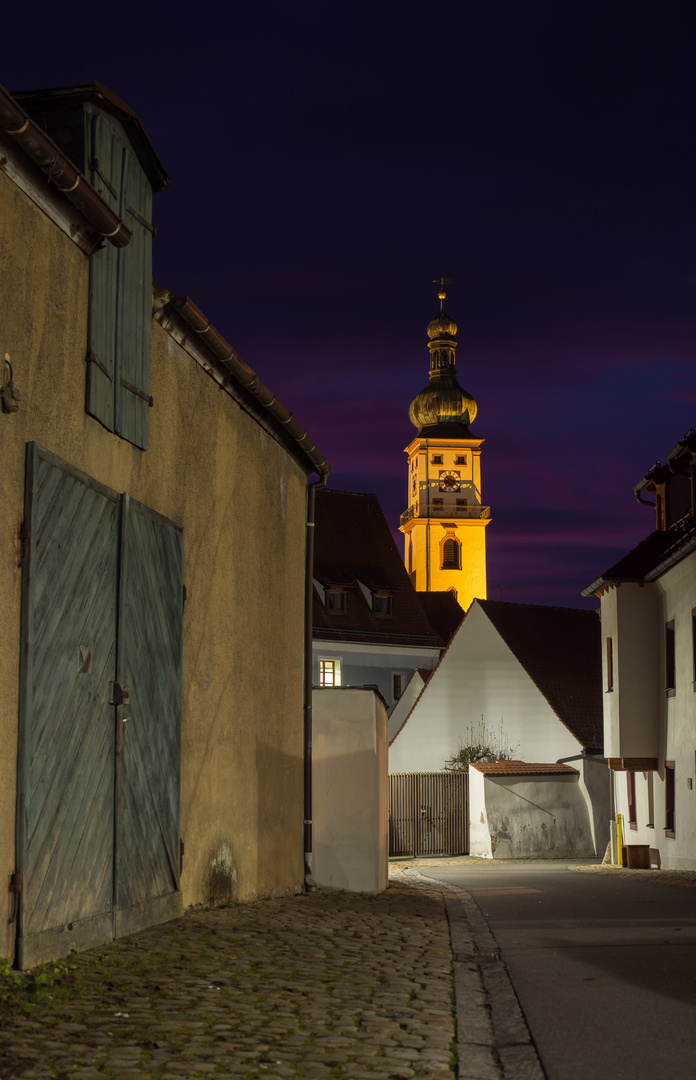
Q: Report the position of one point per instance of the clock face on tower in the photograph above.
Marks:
(450, 481)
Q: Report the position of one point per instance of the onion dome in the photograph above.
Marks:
(441, 326)
(442, 401)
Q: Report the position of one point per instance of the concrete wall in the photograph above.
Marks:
(515, 817)
(478, 676)
(240, 498)
(350, 790)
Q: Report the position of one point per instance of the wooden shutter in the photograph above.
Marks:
(135, 307)
(118, 357)
(106, 163)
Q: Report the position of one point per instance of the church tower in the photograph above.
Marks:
(444, 525)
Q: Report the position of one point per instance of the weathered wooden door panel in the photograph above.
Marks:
(66, 762)
(150, 641)
(102, 604)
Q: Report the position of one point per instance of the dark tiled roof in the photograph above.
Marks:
(560, 649)
(649, 558)
(520, 768)
(352, 543)
(442, 611)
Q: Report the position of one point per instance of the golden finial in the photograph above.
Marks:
(442, 281)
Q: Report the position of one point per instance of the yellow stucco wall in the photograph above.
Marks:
(240, 499)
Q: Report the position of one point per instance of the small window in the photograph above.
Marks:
(632, 812)
(382, 605)
(436, 459)
(610, 665)
(336, 601)
(670, 667)
(397, 686)
(669, 799)
(693, 647)
(438, 502)
(460, 459)
(450, 554)
(330, 672)
(462, 502)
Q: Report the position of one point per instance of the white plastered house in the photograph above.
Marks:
(531, 676)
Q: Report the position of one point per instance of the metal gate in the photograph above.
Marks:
(429, 813)
(98, 774)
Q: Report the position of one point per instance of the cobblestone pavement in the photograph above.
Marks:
(329, 985)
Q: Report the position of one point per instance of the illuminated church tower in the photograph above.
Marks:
(444, 525)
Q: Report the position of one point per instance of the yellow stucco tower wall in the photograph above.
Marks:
(444, 525)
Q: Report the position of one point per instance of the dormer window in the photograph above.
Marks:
(382, 605)
(335, 600)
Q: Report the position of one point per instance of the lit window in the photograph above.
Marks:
(382, 605)
(450, 554)
(329, 672)
(335, 601)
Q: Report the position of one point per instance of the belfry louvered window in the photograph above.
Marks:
(450, 554)
(120, 287)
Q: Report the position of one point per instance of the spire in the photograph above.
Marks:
(442, 401)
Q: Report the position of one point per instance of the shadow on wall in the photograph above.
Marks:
(537, 820)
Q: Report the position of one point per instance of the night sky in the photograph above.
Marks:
(329, 160)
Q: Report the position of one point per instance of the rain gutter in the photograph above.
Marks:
(310, 884)
(61, 171)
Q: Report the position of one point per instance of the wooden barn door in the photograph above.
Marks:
(84, 776)
(148, 735)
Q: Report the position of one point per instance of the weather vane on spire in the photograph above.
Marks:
(442, 281)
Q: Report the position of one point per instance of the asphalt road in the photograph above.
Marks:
(603, 964)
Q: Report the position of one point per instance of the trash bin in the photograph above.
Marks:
(637, 856)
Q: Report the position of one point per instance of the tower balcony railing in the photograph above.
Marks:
(473, 512)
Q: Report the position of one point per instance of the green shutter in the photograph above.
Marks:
(135, 307)
(105, 164)
(118, 357)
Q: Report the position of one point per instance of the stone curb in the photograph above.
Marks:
(493, 1040)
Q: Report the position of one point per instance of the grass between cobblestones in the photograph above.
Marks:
(332, 986)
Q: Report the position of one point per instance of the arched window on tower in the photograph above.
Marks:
(450, 554)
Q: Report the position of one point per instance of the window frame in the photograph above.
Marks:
(336, 668)
(610, 665)
(670, 800)
(670, 659)
(457, 563)
(632, 805)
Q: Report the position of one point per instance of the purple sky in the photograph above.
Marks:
(328, 160)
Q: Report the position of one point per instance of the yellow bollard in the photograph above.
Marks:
(619, 839)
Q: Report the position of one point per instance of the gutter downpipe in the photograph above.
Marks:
(309, 882)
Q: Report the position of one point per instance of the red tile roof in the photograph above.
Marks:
(352, 544)
(521, 768)
(560, 649)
